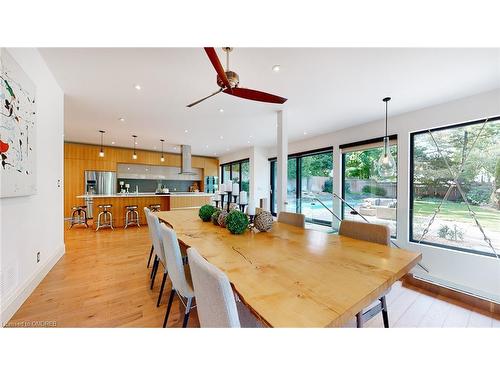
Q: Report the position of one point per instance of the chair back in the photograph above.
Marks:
(376, 233)
(214, 296)
(153, 223)
(175, 266)
(150, 228)
(298, 220)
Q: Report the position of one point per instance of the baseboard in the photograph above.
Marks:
(22, 293)
(451, 295)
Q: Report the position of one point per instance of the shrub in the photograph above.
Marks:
(236, 222)
(375, 190)
(452, 234)
(206, 211)
(328, 186)
(478, 195)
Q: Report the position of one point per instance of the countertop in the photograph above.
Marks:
(134, 195)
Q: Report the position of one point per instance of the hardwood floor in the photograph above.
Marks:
(102, 281)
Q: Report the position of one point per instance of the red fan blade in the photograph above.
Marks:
(255, 95)
(212, 55)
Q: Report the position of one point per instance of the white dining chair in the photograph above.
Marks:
(375, 233)
(179, 275)
(215, 300)
(146, 211)
(153, 224)
(298, 220)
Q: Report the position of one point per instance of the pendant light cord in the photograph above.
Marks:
(386, 119)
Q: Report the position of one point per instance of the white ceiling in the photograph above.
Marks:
(327, 89)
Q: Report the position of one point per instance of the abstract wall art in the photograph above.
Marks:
(17, 129)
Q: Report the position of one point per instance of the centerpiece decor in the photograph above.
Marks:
(206, 211)
(236, 222)
(215, 216)
(222, 218)
(263, 222)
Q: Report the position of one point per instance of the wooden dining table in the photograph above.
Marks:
(296, 277)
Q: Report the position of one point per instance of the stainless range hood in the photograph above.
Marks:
(186, 160)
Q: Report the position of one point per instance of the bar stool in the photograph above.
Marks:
(105, 217)
(155, 207)
(78, 216)
(131, 216)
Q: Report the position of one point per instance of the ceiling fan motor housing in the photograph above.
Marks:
(232, 77)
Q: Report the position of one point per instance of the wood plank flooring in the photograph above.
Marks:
(102, 281)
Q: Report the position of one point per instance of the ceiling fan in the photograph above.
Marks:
(228, 82)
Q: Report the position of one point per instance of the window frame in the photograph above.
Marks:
(239, 163)
(367, 142)
(411, 171)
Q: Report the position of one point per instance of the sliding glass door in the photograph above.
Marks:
(309, 181)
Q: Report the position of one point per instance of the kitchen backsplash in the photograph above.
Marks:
(150, 186)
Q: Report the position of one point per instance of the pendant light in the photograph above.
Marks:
(386, 164)
(162, 158)
(134, 155)
(101, 152)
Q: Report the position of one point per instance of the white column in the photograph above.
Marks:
(282, 161)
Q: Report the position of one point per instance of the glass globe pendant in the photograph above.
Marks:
(386, 163)
(386, 166)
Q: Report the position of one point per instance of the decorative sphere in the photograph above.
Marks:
(222, 218)
(237, 222)
(206, 211)
(263, 221)
(215, 216)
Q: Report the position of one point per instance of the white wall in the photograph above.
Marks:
(34, 223)
(471, 273)
(259, 176)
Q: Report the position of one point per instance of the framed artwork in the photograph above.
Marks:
(17, 129)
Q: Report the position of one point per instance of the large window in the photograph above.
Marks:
(363, 189)
(455, 187)
(309, 180)
(237, 171)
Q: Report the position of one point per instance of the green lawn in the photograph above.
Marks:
(488, 217)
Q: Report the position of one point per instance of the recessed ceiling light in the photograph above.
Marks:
(206, 146)
(251, 136)
(221, 110)
(121, 119)
(113, 142)
(136, 143)
(305, 133)
(276, 68)
(221, 137)
(138, 87)
(248, 142)
(185, 131)
(175, 148)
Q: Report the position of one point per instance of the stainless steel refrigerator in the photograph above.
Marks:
(98, 182)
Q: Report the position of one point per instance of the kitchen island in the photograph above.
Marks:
(167, 201)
